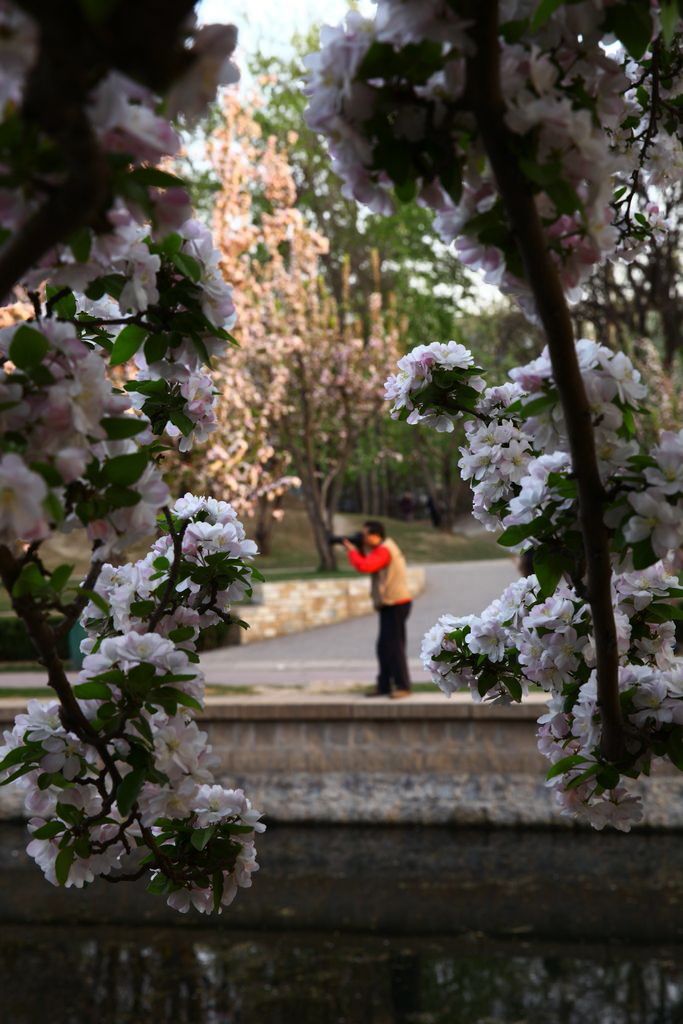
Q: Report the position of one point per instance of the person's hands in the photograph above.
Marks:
(348, 545)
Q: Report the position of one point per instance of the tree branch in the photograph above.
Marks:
(484, 91)
(177, 536)
(74, 610)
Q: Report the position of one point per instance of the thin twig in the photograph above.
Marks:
(177, 536)
(74, 610)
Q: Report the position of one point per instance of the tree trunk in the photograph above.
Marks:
(483, 90)
(319, 522)
(265, 523)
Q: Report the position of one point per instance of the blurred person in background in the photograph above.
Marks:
(381, 557)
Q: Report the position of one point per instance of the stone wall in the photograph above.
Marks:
(426, 760)
(295, 605)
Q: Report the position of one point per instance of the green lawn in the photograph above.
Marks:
(294, 554)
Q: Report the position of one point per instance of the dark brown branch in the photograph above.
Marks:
(74, 53)
(177, 536)
(44, 640)
(74, 610)
(484, 91)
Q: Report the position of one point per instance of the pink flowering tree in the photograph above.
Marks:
(544, 134)
(117, 777)
(252, 215)
(307, 378)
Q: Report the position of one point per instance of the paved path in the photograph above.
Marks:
(342, 656)
(344, 653)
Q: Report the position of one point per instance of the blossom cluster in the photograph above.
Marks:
(539, 632)
(524, 639)
(144, 770)
(146, 280)
(66, 436)
(112, 370)
(390, 95)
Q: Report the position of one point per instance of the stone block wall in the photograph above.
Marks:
(296, 605)
(426, 761)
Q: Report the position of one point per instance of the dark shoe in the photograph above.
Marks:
(375, 693)
(400, 694)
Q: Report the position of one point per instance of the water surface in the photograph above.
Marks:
(365, 926)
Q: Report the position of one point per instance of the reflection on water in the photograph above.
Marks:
(180, 978)
(365, 926)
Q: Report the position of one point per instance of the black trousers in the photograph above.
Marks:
(391, 648)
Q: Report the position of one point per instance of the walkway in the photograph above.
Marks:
(340, 657)
(344, 653)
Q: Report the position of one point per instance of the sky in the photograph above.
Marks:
(270, 24)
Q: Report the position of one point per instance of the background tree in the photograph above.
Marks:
(643, 297)
(307, 379)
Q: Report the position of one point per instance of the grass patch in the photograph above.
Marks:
(230, 691)
(27, 691)
(294, 556)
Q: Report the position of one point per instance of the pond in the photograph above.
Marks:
(365, 926)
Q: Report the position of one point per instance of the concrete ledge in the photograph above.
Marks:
(296, 605)
(425, 760)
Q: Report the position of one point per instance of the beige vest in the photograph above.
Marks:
(390, 585)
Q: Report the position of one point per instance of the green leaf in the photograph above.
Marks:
(49, 830)
(60, 577)
(142, 609)
(147, 387)
(516, 534)
(65, 308)
(28, 348)
(82, 846)
(182, 422)
(127, 343)
(643, 554)
(181, 633)
(187, 265)
(80, 244)
(92, 691)
(121, 497)
(185, 700)
(607, 777)
(406, 190)
(663, 612)
(514, 688)
(97, 10)
(152, 176)
(155, 347)
(160, 884)
(565, 764)
(537, 405)
(125, 469)
(30, 581)
(65, 859)
(96, 599)
(19, 754)
(128, 790)
(121, 427)
(218, 883)
(544, 10)
(49, 474)
(669, 14)
(674, 747)
(548, 566)
(201, 836)
(631, 23)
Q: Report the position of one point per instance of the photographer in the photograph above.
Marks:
(382, 558)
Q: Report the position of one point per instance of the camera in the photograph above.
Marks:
(355, 538)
